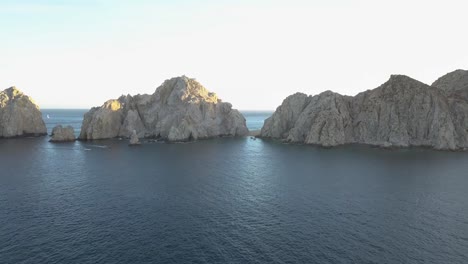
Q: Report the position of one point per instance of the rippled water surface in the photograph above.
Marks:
(230, 201)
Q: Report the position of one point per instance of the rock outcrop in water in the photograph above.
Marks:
(402, 112)
(181, 109)
(19, 115)
(62, 134)
(134, 140)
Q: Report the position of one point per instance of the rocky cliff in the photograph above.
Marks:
(19, 115)
(181, 109)
(401, 112)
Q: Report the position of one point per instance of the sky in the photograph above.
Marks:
(253, 54)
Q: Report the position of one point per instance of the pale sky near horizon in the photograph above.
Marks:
(79, 53)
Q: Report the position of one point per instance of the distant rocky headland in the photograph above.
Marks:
(402, 112)
(19, 115)
(181, 109)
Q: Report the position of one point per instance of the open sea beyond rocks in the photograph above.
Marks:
(228, 200)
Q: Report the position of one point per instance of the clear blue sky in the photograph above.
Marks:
(79, 53)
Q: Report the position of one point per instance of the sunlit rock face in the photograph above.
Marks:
(62, 134)
(181, 109)
(402, 112)
(19, 115)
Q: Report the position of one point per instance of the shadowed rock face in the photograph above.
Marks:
(402, 112)
(19, 115)
(181, 109)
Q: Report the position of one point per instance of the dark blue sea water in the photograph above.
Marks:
(231, 200)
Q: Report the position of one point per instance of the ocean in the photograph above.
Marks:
(229, 200)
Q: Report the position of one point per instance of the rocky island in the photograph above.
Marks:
(402, 112)
(19, 115)
(181, 109)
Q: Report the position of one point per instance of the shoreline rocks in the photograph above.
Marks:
(402, 112)
(134, 140)
(19, 115)
(181, 109)
(62, 134)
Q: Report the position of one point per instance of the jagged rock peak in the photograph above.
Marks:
(185, 89)
(402, 80)
(13, 91)
(113, 104)
(400, 77)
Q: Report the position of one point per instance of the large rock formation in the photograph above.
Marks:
(181, 109)
(402, 112)
(62, 134)
(19, 115)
